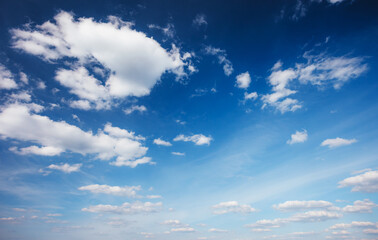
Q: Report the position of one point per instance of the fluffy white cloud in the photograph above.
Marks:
(222, 59)
(66, 168)
(126, 208)
(365, 206)
(337, 142)
(243, 80)
(366, 182)
(134, 108)
(161, 142)
(17, 121)
(121, 133)
(24, 78)
(318, 70)
(134, 61)
(252, 95)
(198, 139)
(303, 205)
(21, 96)
(298, 137)
(43, 151)
(232, 207)
(6, 78)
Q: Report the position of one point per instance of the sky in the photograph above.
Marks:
(229, 120)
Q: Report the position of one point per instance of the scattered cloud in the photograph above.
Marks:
(183, 230)
(298, 137)
(161, 142)
(198, 139)
(134, 108)
(222, 59)
(337, 142)
(199, 20)
(168, 30)
(126, 208)
(127, 191)
(66, 168)
(178, 153)
(364, 206)
(217, 230)
(365, 182)
(252, 96)
(232, 207)
(6, 79)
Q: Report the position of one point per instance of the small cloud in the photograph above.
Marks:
(243, 80)
(178, 153)
(337, 142)
(134, 108)
(198, 139)
(161, 142)
(66, 168)
(298, 137)
(200, 20)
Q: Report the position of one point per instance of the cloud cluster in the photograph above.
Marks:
(18, 121)
(365, 182)
(126, 208)
(319, 70)
(232, 207)
(129, 62)
(197, 139)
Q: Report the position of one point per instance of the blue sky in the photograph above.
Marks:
(188, 120)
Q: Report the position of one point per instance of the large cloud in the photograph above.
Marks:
(17, 121)
(365, 182)
(134, 62)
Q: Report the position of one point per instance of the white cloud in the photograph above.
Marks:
(337, 142)
(222, 59)
(318, 70)
(66, 168)
(121, 133)
(21, 96)
(168, 30)
(126, 208)
(199, 20)
(43, 151)
(41, 85)
(365, 206)
(370, 231)
(353, 224)
(298, 137)
(161, 142)
(134, 108)
(366, 182)
(18, 122)
(178, 153)
(217, 230)
(135, 61)
(6, 79)
(303, 205)
(198, 139)
(128, 191)
(183, 230)
(81, 104)
(24, 78)
(252, 95)
(243, 80)
(232, 207)
(174, 223)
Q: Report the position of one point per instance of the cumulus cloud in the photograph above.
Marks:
(6, 79)
(197, 139)
(303, 205)
(17, 121)
(298, 137)
(134, 61)
(222, 59)
(319, 70)
(161, 142)
(135, 108)
(126, 208)
(353, 224)
(364, 206)
(365, 182)
(128, 191)
(243, 80)
(337, 142)
(232, 207)
(21, 96)
(43, 151)
(66, 168)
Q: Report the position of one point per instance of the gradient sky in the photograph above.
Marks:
(188, 119)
